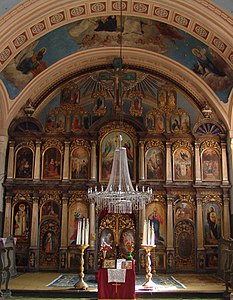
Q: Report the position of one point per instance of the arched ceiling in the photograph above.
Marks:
(201, 23)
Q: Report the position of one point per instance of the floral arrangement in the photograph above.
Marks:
(105, 247)
(130, 245)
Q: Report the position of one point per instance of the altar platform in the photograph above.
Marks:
(196, 286)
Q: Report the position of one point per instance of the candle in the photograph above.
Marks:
(87, 233)
(144, 237)
(152, 241)
(148, 233)
(83, 232)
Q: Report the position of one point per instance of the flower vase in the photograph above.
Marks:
(130, 255)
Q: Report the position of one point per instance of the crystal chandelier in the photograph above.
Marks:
(120, 195)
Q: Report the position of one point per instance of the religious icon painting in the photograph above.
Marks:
(136, 105)
(49, 242)
(99, 108)
(155, 213)
(50, 125)
(185, 123)
(109, 143)
(159, 123)
(127, 241)
(175, 123)
(212, 223)
(21, 221)
(76, 123)
(52, 164)
(150, 121)
(50, 209)
(162, 98)
(60, 123)
(79, 164)
(65, 95)
(182, 165)
(77, 211)
(183, 210)
(171, 99)
(210, 162)
(24, 163)
(155, 166)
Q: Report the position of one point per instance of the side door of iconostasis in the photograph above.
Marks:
(118, 231)
(184, 235)
(49, 232)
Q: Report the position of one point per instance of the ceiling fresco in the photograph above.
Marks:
(137, 32)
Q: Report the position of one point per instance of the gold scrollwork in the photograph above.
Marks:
(211, 144)
(53, 143)
(154, 143)
(183, 144)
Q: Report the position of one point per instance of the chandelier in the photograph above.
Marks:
(120, 195)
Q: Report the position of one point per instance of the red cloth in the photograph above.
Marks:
(116, 290)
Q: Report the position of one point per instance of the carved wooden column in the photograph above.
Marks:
(34, 252)
(199, 224)
(93, 161)
(66, 161)
(7, 219)
(197, 163)
(64, 233)
(37, 162)
(225, 180)
(168, 163)
(226, 217)
(92, 225)
(170, 222)
(141, 161)
(142, 217)
(11, 156)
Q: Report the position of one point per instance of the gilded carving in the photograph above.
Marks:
(155, 143)
(117, 126)
(53, 143)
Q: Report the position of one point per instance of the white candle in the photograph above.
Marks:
(87, 232)
(79, 232)
(83, 232)
(148, 233)
(144, 233)
(152, 240)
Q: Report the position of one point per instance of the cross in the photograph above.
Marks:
(116, 285)
(117, 77)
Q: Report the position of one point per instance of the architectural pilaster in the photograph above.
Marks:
(169, 163)
(10, 168)
(142, 217)
(170, 245)
(200, 229)
(92, 231)
(197, 163)
(141, 161)
(93, 161)
(226, 217)
(64, 222)
(66, 161)
(37, 161)
(7, 220)
(34, 225)
(225, 180)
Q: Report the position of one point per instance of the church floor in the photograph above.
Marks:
(197, 286)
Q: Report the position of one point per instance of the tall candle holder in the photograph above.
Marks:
(148, 283)
(81, 284)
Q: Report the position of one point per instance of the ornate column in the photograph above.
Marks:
(34, 251)
(170, 245)
(37, 161)
(168, 163)
(197, 163)
(142, 217)
(7, 219)
(92, 225)
(141, 161)
(93, 161)
(66, 161)
(199, 225)
(3, 148)
(226, 217)
(64, 233)
(10, 168)
(225, 180)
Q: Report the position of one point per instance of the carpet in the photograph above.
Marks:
(162, 282)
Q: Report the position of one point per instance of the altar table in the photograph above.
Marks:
(116, 290)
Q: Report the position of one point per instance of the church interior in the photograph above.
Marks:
(81, 79)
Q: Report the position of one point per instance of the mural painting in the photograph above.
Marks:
(24, 163)
(52, 164)
(108, 145)
(79, 163)
(212, 223)
(156, 214)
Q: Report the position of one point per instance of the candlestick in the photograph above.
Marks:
(81, 285)
(149, 284)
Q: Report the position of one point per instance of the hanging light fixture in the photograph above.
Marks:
(120, 195)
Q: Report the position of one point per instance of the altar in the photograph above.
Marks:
(116, 283)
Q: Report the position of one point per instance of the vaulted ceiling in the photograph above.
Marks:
(187, 42)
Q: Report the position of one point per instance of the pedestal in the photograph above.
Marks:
(148, 284)
(81, 285)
